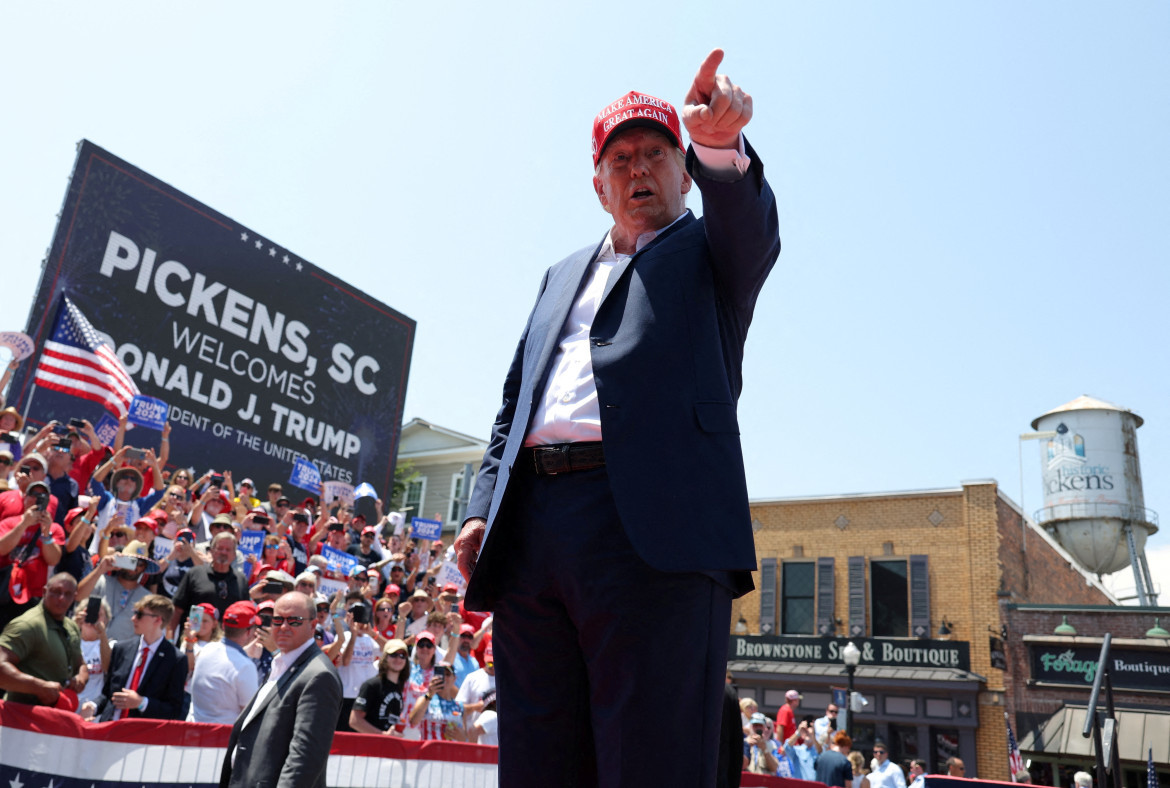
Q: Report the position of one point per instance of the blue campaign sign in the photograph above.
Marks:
(106, 429)
(425, 529)
(261, 355)
(251, 543)
(148, 412)
(337, 560)
(305, 475)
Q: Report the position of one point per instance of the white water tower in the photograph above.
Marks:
(1093, 502)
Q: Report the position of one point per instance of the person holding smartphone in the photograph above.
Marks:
(436, 712)
(358, 660)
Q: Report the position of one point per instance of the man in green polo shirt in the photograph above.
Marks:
(40, 650)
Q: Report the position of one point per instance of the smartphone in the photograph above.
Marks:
(216, 480)
(93, 609)
(273, 587)
(65, 444)
(123, 561)
(260, 519)
(9, 437)
(60, 429)
(41, 499)
(266, 618)
(300, 517)
(77, 423)
(135, 454)
(196, 618)
(361, 614)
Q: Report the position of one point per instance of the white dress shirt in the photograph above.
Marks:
(568, 411)
(138, 658)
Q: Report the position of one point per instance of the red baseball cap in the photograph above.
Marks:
(635, 109)
(392, 589)
(147, 522)
(240, 615)
(467, 629)
(208, 609)
(450, 588)
(425, 635)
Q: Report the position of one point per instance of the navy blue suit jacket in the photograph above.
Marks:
(161, 683)
(667, 350)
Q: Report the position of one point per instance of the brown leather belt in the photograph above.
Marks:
(566, 457)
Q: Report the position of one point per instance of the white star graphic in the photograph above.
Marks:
(243, 236)
(259, 244)
(299, 266)
(286, 259)
(50, 784)
(15, 782)
(271, 252)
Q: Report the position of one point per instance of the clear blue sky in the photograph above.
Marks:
(973, 196)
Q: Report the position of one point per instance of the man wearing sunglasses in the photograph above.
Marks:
(886, 773)
(278, 739)
(147, 673)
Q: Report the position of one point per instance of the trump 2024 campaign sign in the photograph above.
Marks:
(262, 356)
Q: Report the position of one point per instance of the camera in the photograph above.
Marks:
(41, 500)
(77, 423)
(124, 561)
(361, 614)
(260, 519)
(266, 618)
(135, 454)
(273, 587)
(9, 437)
(65, 444)
(216, 480)
(60, 429)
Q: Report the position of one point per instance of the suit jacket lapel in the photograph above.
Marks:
(623, 266)
(575, 272)
(282, 682)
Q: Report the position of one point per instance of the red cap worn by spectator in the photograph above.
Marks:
(450, 588)
(393, 589)
(72, 515)
(146, 522)
(240, 615)
(208, 610)
(371, 530)
(267, 604)
(631, 110)
(467, 629)
(487, 654)
(425, 635)
(224, 499)
(158, 514)
(308, 502)
(259, 510)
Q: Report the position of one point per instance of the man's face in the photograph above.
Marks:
(58, 597)
(273, 495)
(245, 489)
(214, 506)
(957, 769)
(641, 182)
(337, 539)
(29, 472)
(288, 636)
(436, 629)
(223, 552)
(465, 644)
(831, 712)
(306, 587)
(133, 574)
(880, 753)
(417, 607)
(146, 623)
(60, 462)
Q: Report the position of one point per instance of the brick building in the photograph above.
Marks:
(1050, 675)
(920, 581)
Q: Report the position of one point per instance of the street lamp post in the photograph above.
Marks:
(851, 656)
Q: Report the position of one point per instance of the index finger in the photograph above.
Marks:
(706, 76)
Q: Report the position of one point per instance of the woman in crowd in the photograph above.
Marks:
(95, 652)
(383, 629)
(857, 760)
(378, 707)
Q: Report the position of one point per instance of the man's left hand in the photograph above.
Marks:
(126, 699)
(467, 545)
(716, 110)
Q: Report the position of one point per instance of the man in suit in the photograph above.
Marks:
(282, 738)
(611, 506)
(147, 672)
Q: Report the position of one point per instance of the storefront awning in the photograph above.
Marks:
(1060, 734)
(869, 673)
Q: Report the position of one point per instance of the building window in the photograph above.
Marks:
(455, 510)
(890, 598)
(942, 708)
(767, 596)
(412, 499)
(797, 613)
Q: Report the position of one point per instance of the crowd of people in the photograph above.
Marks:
(807, 747)
(124, 593)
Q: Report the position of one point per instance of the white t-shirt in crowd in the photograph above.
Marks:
(487, 720)
(364, 664)
(91, 655)
(222, 684)
(474, 687)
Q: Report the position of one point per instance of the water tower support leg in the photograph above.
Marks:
(1136, 562)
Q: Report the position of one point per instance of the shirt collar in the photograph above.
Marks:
(608, 253)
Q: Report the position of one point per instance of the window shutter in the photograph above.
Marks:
(919, 597)
(856, 596)
(825, 599)
(767, 596)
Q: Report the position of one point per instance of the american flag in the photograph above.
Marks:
(1151, 772)
(1015, 760)
(76, 361)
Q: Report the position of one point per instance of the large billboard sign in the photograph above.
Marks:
(262, 357)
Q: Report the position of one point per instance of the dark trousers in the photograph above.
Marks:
(609, 672)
